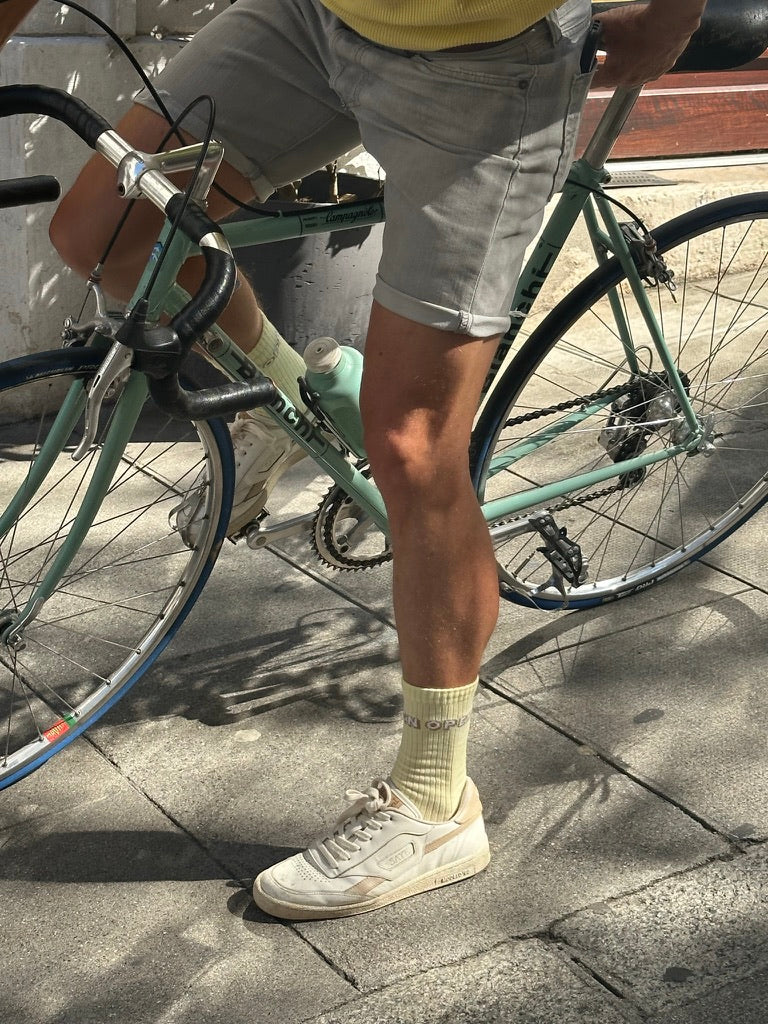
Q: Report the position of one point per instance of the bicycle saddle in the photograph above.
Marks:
(732, 33)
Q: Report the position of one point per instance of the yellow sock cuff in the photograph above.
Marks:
(276, 359)
(437, 708)
(431, 765)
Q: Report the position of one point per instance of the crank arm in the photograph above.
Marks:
(259, 535)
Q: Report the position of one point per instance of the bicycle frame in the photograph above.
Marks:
(582, 196)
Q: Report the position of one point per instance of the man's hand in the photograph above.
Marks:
(12, 13)
(643, 42)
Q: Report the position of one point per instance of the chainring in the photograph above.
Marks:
(345, 537)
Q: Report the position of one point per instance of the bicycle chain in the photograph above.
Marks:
(573, 403)
(330, 506)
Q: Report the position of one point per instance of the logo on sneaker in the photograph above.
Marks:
(398, 858)
(455, 876)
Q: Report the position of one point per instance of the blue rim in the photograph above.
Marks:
(74, 360)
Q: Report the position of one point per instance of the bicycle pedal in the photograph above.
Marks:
(562, 553)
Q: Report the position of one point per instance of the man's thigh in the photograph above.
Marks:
(265, 64)
(473, 146)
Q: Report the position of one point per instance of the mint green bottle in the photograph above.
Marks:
(334, 372)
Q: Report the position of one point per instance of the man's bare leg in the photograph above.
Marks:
(262, 450)
(419, 397)
(420, 392)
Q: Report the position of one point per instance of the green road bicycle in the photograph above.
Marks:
(618, 441)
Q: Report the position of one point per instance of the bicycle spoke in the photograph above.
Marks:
(639, 525)
(131, 581)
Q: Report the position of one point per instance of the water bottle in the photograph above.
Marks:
(333, 373)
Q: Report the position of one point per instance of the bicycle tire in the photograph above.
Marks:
(133, 580)
(716, 326)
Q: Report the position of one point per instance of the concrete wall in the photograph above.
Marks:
(62, 48)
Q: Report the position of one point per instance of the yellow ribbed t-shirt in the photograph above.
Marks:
(439, 24)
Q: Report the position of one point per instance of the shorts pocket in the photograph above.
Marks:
(578, 96)
(463, 68)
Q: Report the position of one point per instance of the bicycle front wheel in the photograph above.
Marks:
(580, 400)
(133, 579)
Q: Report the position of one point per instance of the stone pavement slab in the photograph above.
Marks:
(562, 828)
(743, 1002)
(690, 939)
(282, 690)
(668, 683)
(251, 753)
(110, 911)
(524, 637)
(516, 983)
(679, 699)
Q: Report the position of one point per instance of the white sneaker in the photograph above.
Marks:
(380, 851)
(263, 452)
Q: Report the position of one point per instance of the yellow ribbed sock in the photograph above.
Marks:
(431, 765)
(276, 359)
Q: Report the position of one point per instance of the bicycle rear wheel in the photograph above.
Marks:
(132, 581)
(642, 527)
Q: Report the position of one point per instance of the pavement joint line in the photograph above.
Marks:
(330, 585)
(579, 966)
(572, 644)
(389, 621)
(733, 575)
(557, 946)
(620, 766)
(231, 875)
(344, 975)
(726, 857)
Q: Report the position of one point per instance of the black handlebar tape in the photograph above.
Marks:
(217, 401)
(38, 99)
(41, 188)
(202, 311)
(220, 274)
(195, 222)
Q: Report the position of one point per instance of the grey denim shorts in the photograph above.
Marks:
(473, 143)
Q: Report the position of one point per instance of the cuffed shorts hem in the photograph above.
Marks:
(457, 321)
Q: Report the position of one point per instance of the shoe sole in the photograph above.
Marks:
(445, 875)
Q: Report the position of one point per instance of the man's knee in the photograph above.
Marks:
(85, 221)
(414, 463)
(70, 237)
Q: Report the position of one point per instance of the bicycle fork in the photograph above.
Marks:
(120, 429)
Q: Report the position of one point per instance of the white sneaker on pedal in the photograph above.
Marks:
(263, 452)
(380, 851)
